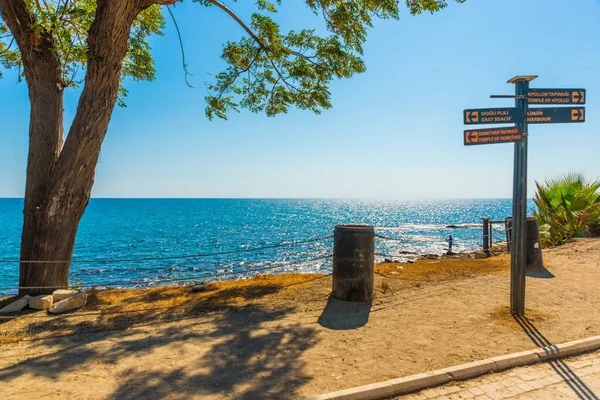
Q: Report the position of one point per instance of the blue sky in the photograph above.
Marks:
(393, 132)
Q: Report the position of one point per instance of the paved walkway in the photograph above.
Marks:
(575, 378)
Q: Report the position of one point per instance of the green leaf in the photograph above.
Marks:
(68, 23)
(567, 205)
(274, 70)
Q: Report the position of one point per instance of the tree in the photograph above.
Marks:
(566, 207)
(59, 44)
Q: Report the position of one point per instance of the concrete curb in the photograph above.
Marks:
(414, 383)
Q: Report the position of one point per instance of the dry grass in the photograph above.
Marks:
(445, 269)
(124, 308)
(502, 316)
(216, 295)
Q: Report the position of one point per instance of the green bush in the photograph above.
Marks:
(568, 206)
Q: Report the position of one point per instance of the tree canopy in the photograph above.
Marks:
(267, 70)
(69, 21)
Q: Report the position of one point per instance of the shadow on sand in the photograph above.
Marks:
(580, 389)
(344, 315)
(241, 353)
(540, 273)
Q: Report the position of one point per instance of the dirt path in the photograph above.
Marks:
(287, 346)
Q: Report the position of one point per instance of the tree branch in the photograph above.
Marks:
(16, 17)
(253, 35)
(241, 71)
(35, 49)
(107, 45)
(240, 22)
(9, 46)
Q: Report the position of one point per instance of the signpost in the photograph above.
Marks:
(494, 135)
(480, 116)
(556, 96)
(555, 115)
(521, 115)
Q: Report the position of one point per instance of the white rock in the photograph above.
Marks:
(62, 294)
(71, 303)
(42, 302)
(16, 305)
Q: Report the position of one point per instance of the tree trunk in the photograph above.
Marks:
(46, 239)
(40, 240)
(41, 67)
(59, 181)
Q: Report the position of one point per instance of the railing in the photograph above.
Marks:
(488, 233)
(149, 275)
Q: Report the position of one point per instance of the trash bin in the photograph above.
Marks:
(533, 243)
(353, 262)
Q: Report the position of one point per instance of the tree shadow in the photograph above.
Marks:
(243, 354)
(581, 390)
(541, 273)
(344, 315)
(8, 317)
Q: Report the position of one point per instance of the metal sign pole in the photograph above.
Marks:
(523, 199)
(516, 206)
(519, 226)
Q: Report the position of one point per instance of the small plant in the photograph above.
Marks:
(76, 284)
(385, 286)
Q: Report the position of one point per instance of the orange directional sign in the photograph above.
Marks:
(471, 116)
(480, 116)
(555, 115)
(578, 115)
(556, 96)
(494, 135)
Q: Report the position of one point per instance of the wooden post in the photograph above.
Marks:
(486, 235)
(353, 262)
(534, 245)
(508, 227)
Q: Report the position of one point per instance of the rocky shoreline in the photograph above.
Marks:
(409, 257)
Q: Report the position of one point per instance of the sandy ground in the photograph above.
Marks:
(292, 340)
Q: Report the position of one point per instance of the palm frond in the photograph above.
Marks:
(566, 206)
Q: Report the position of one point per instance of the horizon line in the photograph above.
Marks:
(287, 198)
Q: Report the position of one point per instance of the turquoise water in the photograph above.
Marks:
(154, 229)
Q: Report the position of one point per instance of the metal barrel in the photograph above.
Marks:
(534, 245)
(353, 262)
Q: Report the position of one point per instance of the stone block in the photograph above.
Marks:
(16, 305)
(368, 392)
(42, 302)
(516, 359)
(421, 381)
(62, 294)
(471, 370)
(69, 304)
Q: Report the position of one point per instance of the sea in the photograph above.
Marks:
(149, 242)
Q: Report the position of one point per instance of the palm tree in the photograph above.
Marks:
(566, 207)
